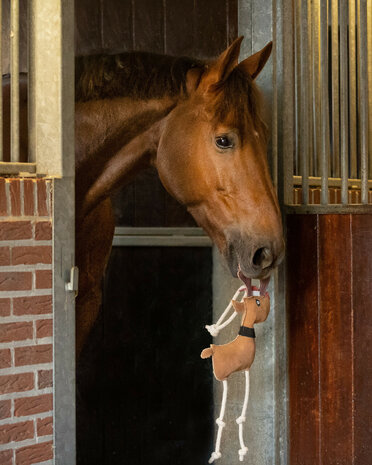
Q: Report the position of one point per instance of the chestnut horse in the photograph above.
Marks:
(199, 124)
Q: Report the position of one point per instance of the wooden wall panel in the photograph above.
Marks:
(335, 338)
(330, 400)
(302, 298)
(362, 331)
(117, 25)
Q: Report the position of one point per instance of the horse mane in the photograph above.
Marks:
(142, 75)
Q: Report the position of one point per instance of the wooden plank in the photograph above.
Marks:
(302, 305)
(210, 28)
(87, 27)
(362, 316)
(179, 27)
(336, 383)
(148, 26)
(232, 21)
(117, 32)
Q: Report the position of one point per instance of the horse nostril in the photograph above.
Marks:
(263, 257)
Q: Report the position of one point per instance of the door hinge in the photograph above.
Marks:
(73, 284)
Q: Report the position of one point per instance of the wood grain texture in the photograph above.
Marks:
(335, 336)
(362, 315)
(302, 301)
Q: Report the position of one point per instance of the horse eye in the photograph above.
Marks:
(258, 302)
(223, 142)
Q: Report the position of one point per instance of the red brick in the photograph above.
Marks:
(44, 328)
(6, 457)
(15, 196)
(31, 255)
(4, 307)
(43, 231)
(15, 281)
(45, 379)
(3, 205)
(5, 358)
(33, 405)
(43, 279)
(16, 331)
(36, 305)
(16, 383)
(31, 355)
(34, 454)
(4, 256)
(16, 432)
(5, 409)
(28, 197)
(44, 426)
(42, 206)
(15, 230)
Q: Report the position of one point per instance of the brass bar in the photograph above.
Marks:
(316, 84)
(352, 93)
(304, 102)
(324, 100)
(14, 81)
(344, 102)
(363, 97)
(335, 146)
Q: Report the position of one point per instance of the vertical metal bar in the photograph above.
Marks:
(31, 81)
(352, 93)
(316, 83)
(335, 146)
(309, 83)
(324, 100)
(369, 73)
(298, 76)
(14, 80)
(304, 103)
(344, 102)
(289, 99)
(363, 97)
(1, 88)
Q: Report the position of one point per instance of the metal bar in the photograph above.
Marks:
(324, 99)
(335, 147)
(332, 182)
(344, 102)
(1, 89)
(309, 80)
(14, 80)
(316, 84)
(369, 72)
(363, 97)
(289, 99)
(161, 237)
(304, 101)
(31, 107)
(352, 93)
(298, 96)
(324, 209)
(155, 231)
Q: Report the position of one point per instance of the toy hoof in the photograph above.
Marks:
(206, 353)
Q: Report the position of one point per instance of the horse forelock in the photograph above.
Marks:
(237, 102)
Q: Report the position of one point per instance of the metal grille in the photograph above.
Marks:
(332, 97)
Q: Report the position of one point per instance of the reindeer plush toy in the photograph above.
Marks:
(237, 355)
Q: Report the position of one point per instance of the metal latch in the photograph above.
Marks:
(73, 285)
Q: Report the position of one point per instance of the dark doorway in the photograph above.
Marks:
(145, 396)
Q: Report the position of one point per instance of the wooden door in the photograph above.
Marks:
(329, 302)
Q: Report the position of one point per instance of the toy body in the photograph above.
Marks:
(238, 355)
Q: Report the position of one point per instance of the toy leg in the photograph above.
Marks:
(217, 454)
(243, 449)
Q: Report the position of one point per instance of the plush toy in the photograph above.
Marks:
(237, 355)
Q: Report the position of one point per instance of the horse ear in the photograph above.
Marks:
(254, 64)
(225, 63)
(238, 306)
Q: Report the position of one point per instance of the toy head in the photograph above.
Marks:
(254, 309)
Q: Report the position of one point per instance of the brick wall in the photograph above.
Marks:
(26, 322)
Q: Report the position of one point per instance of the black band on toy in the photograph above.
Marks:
(247, 332)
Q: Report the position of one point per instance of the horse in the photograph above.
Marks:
(200, 125)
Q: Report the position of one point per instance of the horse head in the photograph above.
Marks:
(212, 158)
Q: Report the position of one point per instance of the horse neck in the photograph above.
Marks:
(115, 139)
